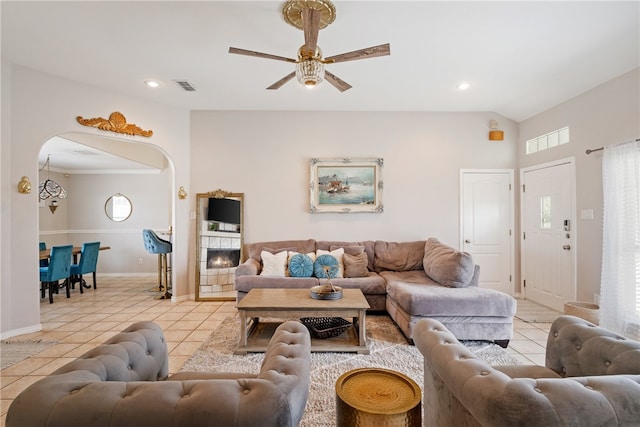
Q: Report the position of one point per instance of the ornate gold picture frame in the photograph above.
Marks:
(346, 185)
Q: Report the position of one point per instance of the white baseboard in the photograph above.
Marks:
(149, 275)
(22, 331)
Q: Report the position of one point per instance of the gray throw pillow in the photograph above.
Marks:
(446, 265)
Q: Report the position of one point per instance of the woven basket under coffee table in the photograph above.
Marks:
(377, 397)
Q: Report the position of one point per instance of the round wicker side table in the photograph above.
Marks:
(377, 397)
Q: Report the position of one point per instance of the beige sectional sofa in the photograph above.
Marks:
(124, 382)
(409, 280)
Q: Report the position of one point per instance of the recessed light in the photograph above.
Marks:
(463, 85)
(152, 83)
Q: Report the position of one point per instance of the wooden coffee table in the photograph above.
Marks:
(295, 304)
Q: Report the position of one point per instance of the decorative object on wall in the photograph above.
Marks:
(219, 194)
(53, 206)
(182, 194)
(494, 133)
(24, 186)
(346, 185)
(49, 188)
(118, 207)
(116, 123)
(311, 16)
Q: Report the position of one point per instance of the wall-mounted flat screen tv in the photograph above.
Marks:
(224, 210)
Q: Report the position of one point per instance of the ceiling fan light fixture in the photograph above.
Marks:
(310, 72)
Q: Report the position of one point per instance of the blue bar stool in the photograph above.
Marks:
(155, 245)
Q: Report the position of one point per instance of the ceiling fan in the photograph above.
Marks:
(311, 16)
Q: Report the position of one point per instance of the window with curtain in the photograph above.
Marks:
(620, 284)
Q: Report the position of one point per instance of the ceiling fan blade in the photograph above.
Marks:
(259, 54)
(282, 81)
(336, 81)
(369, 52)
(311, 23)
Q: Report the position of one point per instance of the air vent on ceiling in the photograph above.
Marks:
(186, 85)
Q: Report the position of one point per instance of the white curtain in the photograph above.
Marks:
(620, 285)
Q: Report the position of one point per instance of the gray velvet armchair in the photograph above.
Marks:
(124, 383)
(591, 378)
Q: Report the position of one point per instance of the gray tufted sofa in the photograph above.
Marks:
(124, 383)
(591, 378)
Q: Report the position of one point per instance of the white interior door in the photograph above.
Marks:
(487, 225)
(548, 224)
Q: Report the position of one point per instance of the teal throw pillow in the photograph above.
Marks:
(300, 265)
(325, 261)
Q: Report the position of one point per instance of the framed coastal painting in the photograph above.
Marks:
(346, 185)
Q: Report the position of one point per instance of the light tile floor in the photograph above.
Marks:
(83, 321)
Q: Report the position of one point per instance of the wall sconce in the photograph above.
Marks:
(24, 186)
(182, 194)
(53, 206)
(494, 133)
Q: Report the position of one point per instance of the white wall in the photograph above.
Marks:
(81, 217)
(35, 107)
(266, 155)
(605, 115)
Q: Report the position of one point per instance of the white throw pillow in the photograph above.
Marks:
(273, 264)
(337, 254)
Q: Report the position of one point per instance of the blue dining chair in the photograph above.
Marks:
(59, 268)
(43, 262)
(88, 264)
(155, 245)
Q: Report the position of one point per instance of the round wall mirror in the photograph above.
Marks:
(118, 207)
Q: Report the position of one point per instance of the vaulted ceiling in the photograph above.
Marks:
(520, 57)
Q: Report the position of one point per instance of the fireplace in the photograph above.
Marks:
(222, 258)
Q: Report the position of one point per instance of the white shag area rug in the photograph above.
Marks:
(389, 350)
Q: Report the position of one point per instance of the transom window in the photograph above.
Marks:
(549, 140)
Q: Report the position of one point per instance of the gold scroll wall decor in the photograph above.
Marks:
(116, 123)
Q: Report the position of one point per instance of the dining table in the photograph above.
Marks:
(77, 250)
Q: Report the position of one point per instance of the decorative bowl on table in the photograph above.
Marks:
(326, 267)
(327, 291)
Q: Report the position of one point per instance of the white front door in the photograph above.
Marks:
(548, 233)
(487, 225)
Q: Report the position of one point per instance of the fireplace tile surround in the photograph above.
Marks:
(218, 279)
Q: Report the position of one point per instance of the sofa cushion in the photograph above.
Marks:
(447, 266)
(369, 248)
(325, 266)
(300, 265)
(245, 283)
(274, 264)
(351, 250)
(372, 284)
(417, 294)
(303, 246)
(398, 256)
(355, 265)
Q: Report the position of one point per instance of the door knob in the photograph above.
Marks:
(566, 247)
(467, 241)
